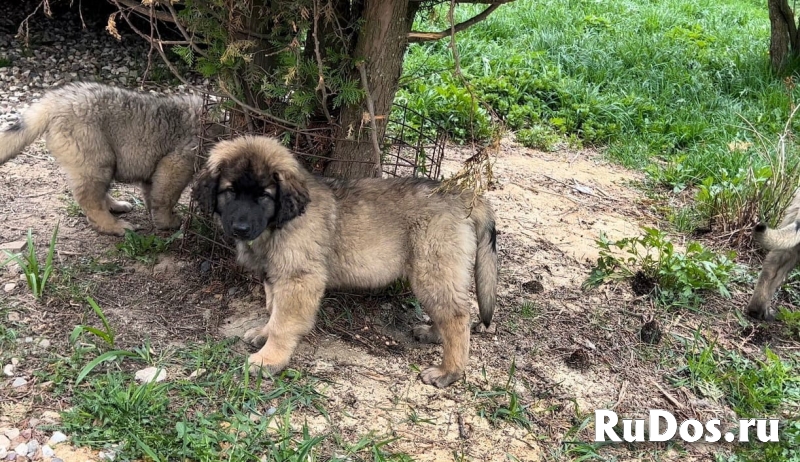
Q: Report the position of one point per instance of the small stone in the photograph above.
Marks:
(14, 361)
(13, 316)
(33, 422)
(21, 449)
(47, 451)
(12, 433)
(28, 339)
(197, 373)
(56, 459)
(5, 443)
(14, 246)
(3, 453)
(57, 437)
(9, 286)
(44, 343)
(8, 370)
(150, 374)
(19, 382)
(33, 446)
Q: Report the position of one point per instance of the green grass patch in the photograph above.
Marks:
(36, 274)
(754, 388)
(681, 88)
(145, 247)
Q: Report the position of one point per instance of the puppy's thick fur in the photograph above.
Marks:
(784, 254)
(99, 133)
(305, 234)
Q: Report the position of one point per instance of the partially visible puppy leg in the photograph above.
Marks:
(117, 206)
(147, 190)
(450, 325)
(440, 280)
(294, 309)
(172, 175)
(90, 191)
(776, 267)
(257, 336)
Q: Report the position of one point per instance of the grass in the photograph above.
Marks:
(146, 247)
(208, 409)
(36, 274)
(504, 403)
(682, 89)
(753, 388)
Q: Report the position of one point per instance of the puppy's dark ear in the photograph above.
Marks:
(292, 198)
(204, 191)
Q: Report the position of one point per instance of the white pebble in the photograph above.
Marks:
(57, 437)
(150, 374)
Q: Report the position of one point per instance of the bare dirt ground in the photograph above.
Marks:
(574, 351)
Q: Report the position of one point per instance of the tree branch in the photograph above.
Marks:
(376, 147)
(320, 68)
(183, 30)
(137, 6)
(416, 37)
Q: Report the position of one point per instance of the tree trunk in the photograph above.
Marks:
(783, 37)
(380, 46)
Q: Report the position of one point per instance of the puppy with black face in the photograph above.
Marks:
(245, 205)
(305, 234)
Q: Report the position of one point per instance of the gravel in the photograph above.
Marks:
(60, 51)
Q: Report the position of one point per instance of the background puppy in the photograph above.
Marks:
(784, 254)
(99, 133)
(305, 234)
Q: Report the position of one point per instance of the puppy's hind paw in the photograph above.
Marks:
(120, 206)
(426, 334)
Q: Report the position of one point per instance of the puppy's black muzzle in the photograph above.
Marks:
(241, 230)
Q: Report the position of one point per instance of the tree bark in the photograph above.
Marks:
(783, 37)
(380, 47)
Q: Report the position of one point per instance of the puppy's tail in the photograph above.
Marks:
(777, 239)
(31, 125)
(485, 261)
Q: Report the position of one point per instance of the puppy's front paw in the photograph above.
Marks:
(171, 221)
(118, 228)
(255, 337)
(439, 378)
(760, 312)
(260, 364)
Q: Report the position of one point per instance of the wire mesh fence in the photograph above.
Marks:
(407, 151)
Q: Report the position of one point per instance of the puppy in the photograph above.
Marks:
(305, 234)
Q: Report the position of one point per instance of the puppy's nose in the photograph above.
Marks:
(241, 228)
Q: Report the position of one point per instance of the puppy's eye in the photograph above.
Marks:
(266, 195)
